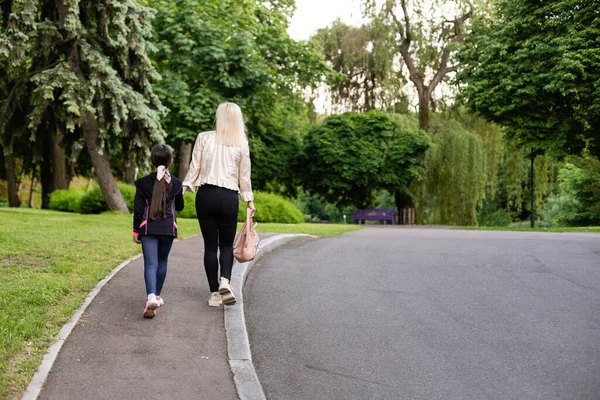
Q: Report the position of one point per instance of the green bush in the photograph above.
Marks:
(269, 208)
(93, 201)
(561, 209)
(499, 217)
(65, 200)
(189, 209)
(272, 208)
(128, 192)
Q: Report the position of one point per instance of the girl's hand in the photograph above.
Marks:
(137, 240)
(251, 209)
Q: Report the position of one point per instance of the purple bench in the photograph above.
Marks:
(374, 214)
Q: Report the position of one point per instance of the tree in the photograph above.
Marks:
(426, 42)
(347, 157)
(230, 50)
(535, 69)
(456, 175)
(81, 68)
(577, 201)
(365, 57)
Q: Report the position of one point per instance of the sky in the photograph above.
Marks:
(311, 15)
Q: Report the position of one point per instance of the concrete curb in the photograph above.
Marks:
(238, 345)
(37, 382)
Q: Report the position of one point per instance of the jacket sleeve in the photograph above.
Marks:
(194, 169)
(138, 211)
(179, 202)
(244, 176)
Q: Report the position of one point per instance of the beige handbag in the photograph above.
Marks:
(246, 242)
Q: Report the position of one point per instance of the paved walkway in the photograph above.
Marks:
(114, 353)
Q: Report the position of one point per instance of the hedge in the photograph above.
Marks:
(273, 208)
(65, 200)
(269, 208)
(90, 202)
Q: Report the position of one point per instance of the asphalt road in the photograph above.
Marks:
(392, 313)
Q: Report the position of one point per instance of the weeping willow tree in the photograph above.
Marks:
(518, 169)
(456, 171)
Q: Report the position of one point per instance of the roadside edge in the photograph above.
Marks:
(238, 345)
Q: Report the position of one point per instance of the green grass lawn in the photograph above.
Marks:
(528, 229)
(49, 261)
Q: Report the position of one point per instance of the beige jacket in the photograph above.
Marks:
(219, 165)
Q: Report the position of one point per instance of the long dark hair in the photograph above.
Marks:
(161, 155)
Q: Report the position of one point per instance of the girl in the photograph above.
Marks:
(220, 168)
(157, 197)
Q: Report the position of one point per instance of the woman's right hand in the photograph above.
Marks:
(250, 208)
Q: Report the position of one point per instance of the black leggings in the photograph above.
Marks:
(217, 211)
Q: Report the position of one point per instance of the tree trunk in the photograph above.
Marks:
(185, 156)
(108, 185)
(532, 188)
(32, 187)
(424, 105)
(89, 124)
(60, 175)
(46, 175)
(128, 164)
(11, 181)
(402, 201)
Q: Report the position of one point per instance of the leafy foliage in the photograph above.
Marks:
(347, 157)
(316, 209)
(425, 41)
(535, 69)
(365, 57)
(93, 201)
(65, 200)
(78, 70)
(189, 207)
(578, 201)
(230, 50)
(272, 208)
(456, 175)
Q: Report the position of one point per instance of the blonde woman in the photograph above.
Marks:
(220, 170)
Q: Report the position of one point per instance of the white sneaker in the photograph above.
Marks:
(152, 303)
(226, 294)
(161, 301)
(215, 299)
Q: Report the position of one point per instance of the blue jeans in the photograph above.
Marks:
(156, 253)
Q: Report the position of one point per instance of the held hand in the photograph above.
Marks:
(184, 189)
(136, 239)
(251, 209)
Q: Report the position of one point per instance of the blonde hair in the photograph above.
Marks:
(231, 130)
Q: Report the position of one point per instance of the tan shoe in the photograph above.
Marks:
(226, 294)
(215, 299)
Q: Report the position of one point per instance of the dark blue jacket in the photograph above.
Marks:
(167, 223)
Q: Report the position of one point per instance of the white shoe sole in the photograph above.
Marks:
(214, 304)
(227, 296)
